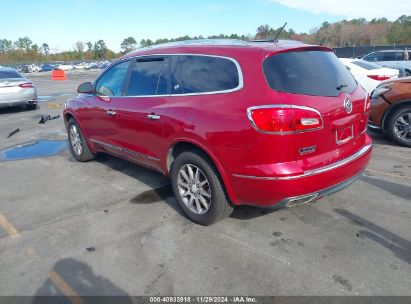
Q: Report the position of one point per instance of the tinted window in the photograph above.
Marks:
(201, 74)
(308, 72)
(149, 77)
(373, 57)
(111, 83)
(366, 65)
(393, 56)
(9, 74)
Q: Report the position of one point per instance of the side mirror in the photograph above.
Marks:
(86, 88)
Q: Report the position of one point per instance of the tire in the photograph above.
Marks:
(78, 145)
(206, 192)
(399, 126)
(31, 106)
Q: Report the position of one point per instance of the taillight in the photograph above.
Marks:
(284, 118)
(379, 77)
(26, 85)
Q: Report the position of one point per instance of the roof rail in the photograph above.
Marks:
(222, 42)
(277, 41)
(265, 40)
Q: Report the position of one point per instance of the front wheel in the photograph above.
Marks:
(399, 126)
(78, 145)
(198, 189)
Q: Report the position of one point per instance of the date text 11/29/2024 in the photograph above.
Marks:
(205, 299)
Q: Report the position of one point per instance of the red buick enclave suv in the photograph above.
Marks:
(270, 124)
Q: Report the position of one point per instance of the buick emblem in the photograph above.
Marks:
(348, 105)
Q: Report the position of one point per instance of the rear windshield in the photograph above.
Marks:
(366, 65)
(9, 74)
(317, 73)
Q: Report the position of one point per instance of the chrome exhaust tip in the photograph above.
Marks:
(301, 200)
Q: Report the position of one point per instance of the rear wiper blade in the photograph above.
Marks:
(342, 86)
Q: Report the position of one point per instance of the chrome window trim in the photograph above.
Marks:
(124, 150)
(312, 172)
(283, 106)
(239, 71)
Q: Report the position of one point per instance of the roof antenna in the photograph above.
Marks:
(279, 32)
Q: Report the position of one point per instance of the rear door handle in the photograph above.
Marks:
(111, 113)
(153, 117)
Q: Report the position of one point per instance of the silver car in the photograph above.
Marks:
(16, 90)
(395, 59)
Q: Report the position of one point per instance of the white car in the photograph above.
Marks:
(81, 66)
(368, 74)
(64, 67)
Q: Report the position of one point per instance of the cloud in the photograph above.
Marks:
(353, 8)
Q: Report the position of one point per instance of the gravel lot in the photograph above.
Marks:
(109, 227)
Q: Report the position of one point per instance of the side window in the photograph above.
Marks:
(111, 83)
(374, 57)
(393, 56)
(399, 56)
(149, 77)
(202, 74)
(369, 57)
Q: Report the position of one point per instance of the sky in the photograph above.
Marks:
(61, 23)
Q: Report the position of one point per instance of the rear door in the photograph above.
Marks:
(142, 112)
(318, 80)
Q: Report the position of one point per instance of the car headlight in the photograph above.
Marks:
(379, 91)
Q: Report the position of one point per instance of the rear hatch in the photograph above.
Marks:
(11, 86)
(10, 81)
(316, 79)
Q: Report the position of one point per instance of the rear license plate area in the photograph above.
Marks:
(344, 135)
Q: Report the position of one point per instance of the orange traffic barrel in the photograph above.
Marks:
(58, 75)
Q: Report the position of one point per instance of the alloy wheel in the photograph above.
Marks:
(75, 140)
(194, 189)
(402, 127)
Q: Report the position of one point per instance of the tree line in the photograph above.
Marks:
(355, 32)
(24, 50)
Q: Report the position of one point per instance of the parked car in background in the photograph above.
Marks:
(230, 122)
(391, 110)
(46, 67)
(102, 65)
(64, 67)
(31, 68)
(368, 74)
(16, 90)
(81, 66)
(396, 59)
(92, 66)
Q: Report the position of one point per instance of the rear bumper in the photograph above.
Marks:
(12, 103)
(269, 191)
(28, 96)
(304, 199)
